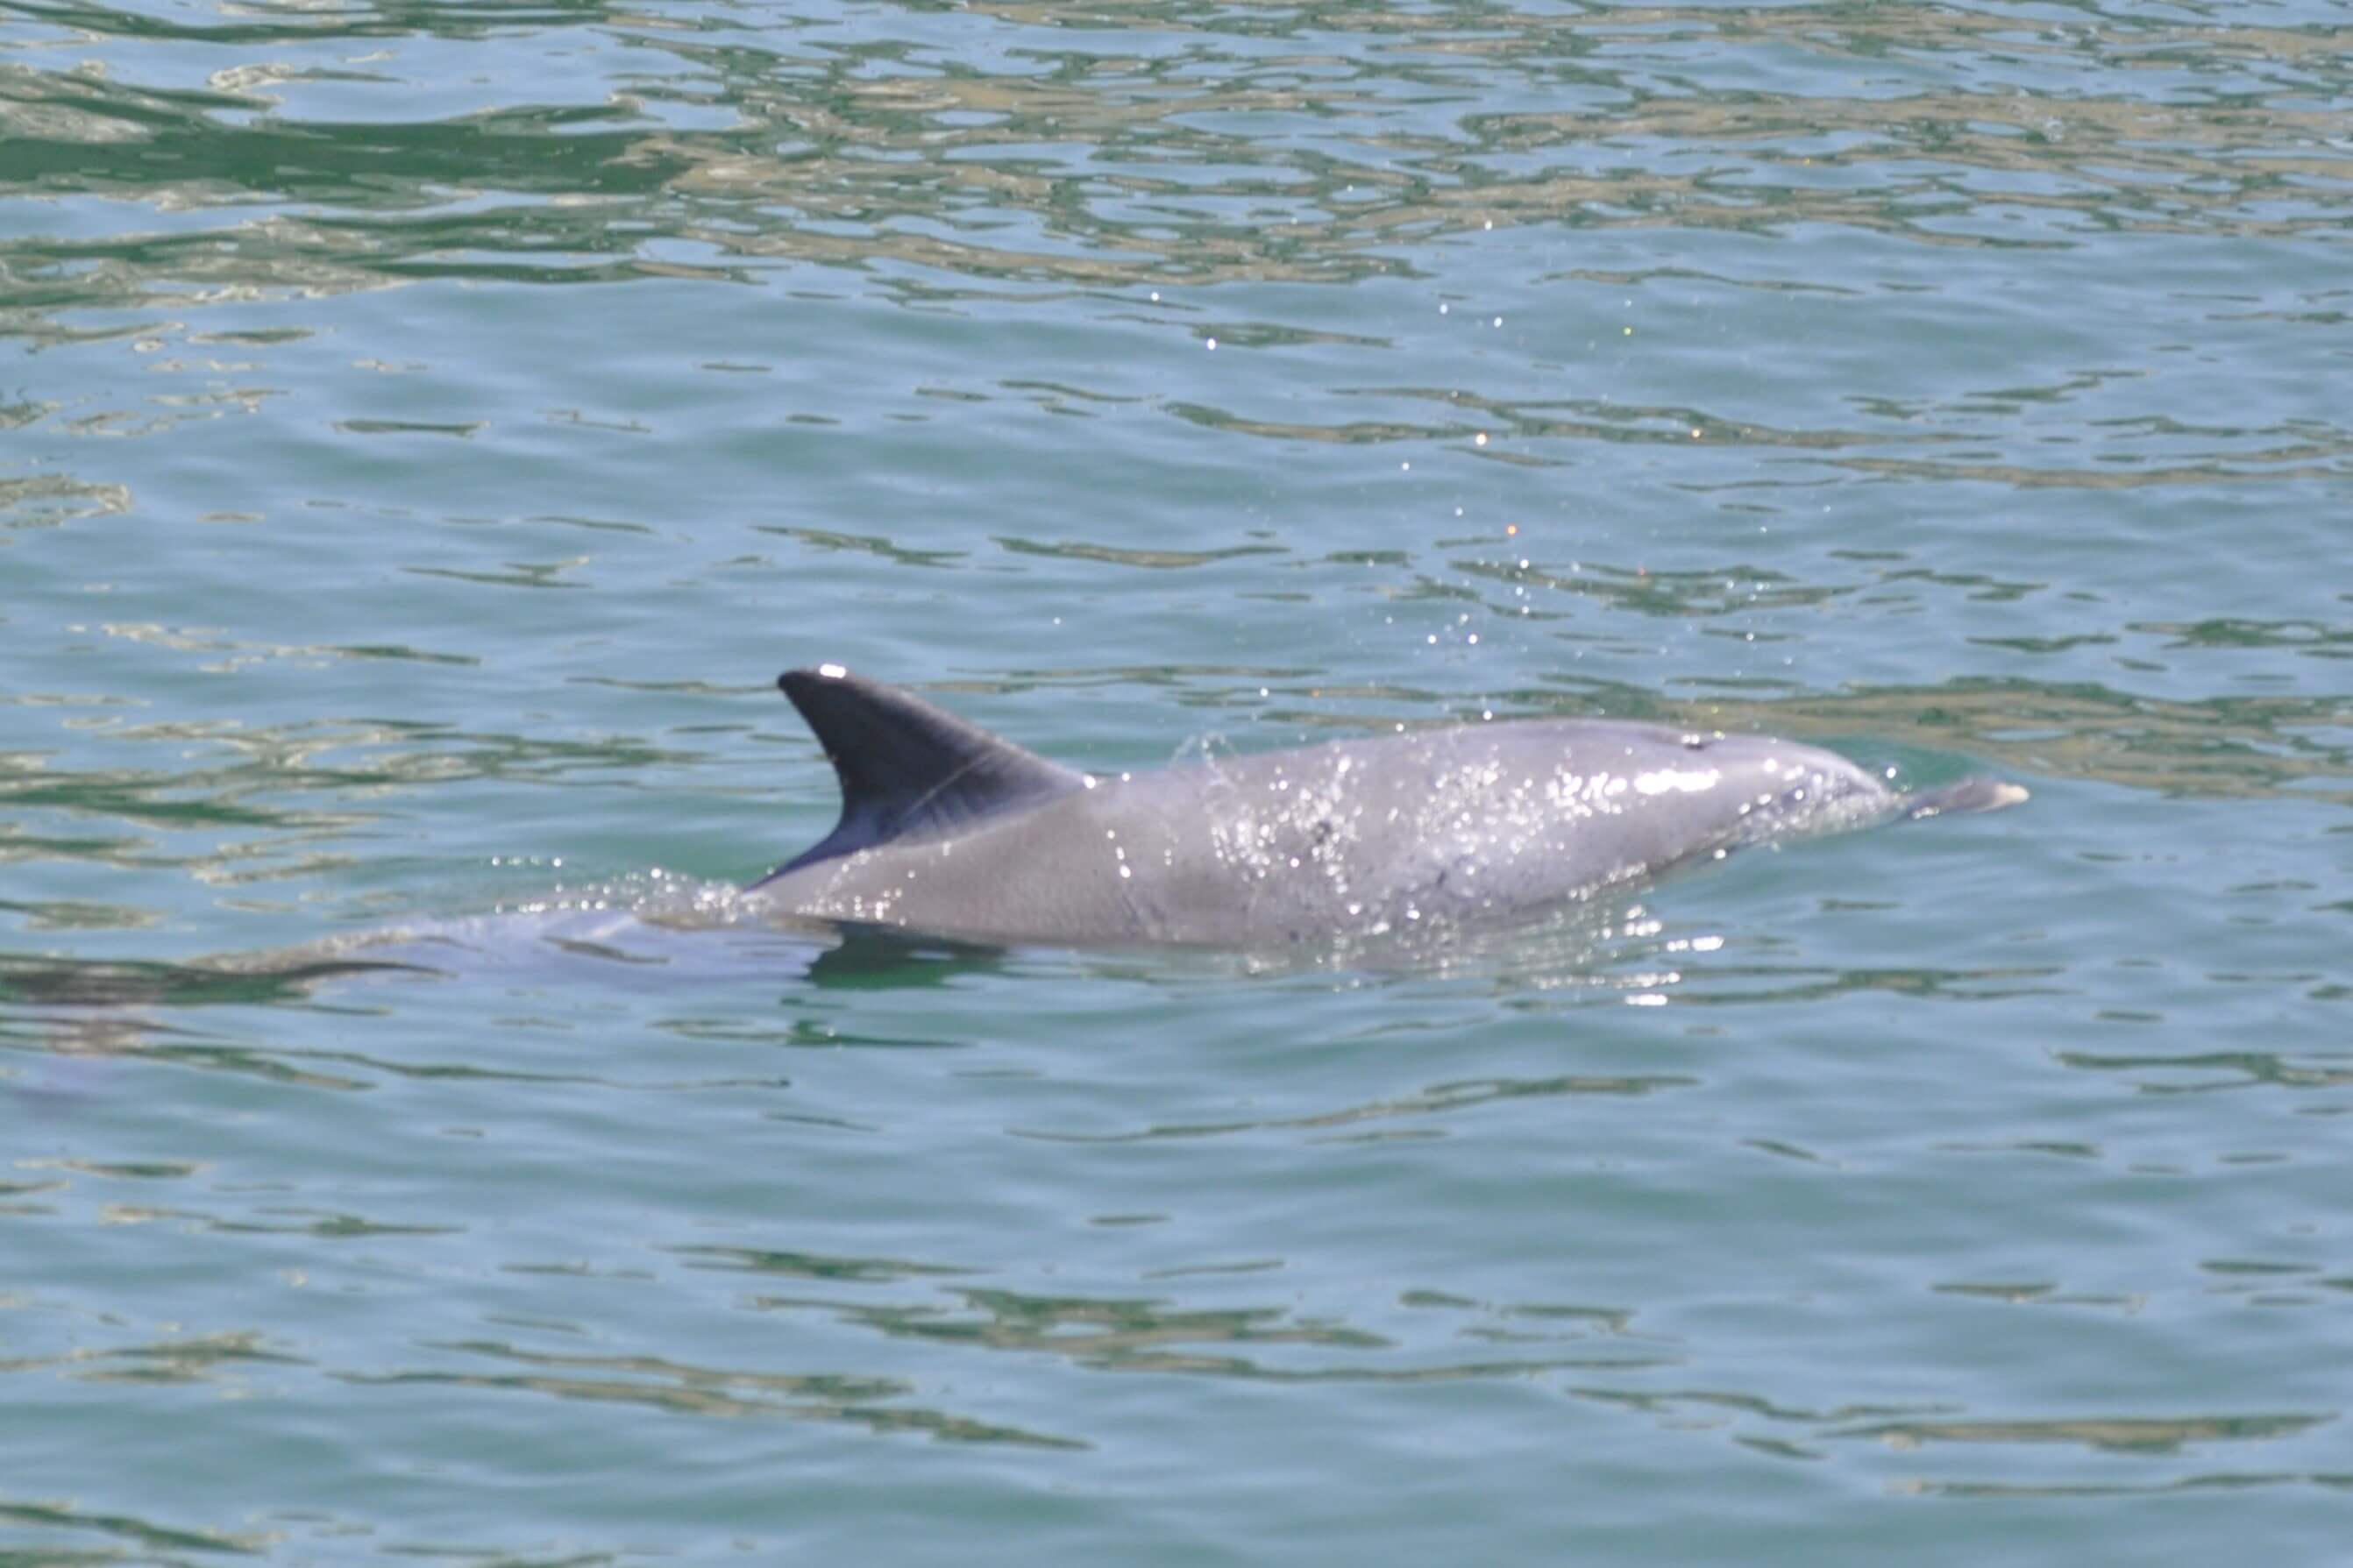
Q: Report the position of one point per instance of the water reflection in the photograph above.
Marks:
(45, 982)
(1185, 143)
(680, 1388)
(2136, 1434)
(1155, 1335)
(2205, 1482)
(1439, 1100)
(2203, 1072)
(144, 1534)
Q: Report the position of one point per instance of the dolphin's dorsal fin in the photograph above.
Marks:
(908, 768)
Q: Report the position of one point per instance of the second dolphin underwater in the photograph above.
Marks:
(950, 831)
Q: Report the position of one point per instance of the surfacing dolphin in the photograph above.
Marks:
(950, 831)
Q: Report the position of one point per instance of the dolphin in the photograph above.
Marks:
(949, 831)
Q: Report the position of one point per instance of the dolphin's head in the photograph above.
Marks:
(1755, 789)
(1637, 798)
(1547, 809)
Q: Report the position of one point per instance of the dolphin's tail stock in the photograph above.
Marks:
(1975, 793)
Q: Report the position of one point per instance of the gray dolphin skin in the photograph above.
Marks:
(947, 830)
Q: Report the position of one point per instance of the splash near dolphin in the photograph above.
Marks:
(950, 831)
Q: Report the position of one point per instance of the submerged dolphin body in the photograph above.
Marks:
(948, 830)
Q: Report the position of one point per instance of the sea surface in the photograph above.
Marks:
(428, 428)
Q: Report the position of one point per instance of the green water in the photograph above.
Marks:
(426, 429)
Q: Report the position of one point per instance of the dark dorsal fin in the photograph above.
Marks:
(908, 768)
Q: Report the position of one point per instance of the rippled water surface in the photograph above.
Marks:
(428, 427)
